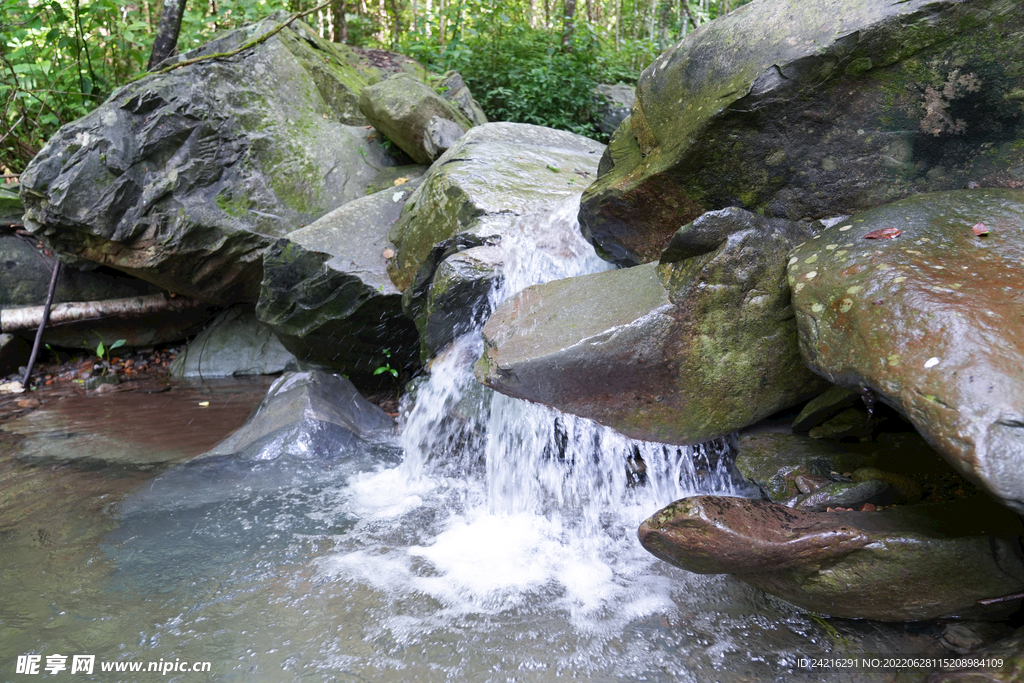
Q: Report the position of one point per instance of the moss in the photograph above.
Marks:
(236, 206)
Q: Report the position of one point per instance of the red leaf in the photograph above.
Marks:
(883, 234)
(980, 229)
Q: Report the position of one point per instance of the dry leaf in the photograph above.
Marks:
(883, 234)
(401, 181)
(980, 229)
(388, 253)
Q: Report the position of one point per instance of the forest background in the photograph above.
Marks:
(531, 61)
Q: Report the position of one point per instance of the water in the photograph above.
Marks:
(494, 540)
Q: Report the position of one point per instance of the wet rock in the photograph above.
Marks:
(307, 415)
(929, 321)
(812, 108)
(846, 494)
(775, 459)
(326, 292)
(184, 178)
(679, 352)
(821, 408)
(455, 91)
(415, 118)
(907, 490)
(1005, 655)
(905, 563)
(969, 636)
(234, 345)
(500, 183)
(613, 103)
(393, 177)
(850, 423)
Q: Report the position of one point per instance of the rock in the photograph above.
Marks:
(845, 494)
(184, 178)
(326, 292)
(850, 423)
(455, 91)
(307, 415)
(235, 344)
(821, 408)
(908, 491)
(812, 108)
(929, 321)
(11, 208)
(905, 563)
(679, 352)
(415, 118)
(393, 177)
(774, 459)
(502, 183)
(612, 105)
(965, 637)
(101, 383)
(1004, 655)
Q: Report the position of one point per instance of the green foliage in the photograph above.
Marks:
(386, 366)
(103, 352)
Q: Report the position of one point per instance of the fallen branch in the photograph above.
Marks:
(42, 322)
(1002, 598)
(231, 53)
(26, 318)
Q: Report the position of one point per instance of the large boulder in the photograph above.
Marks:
(502, 182)
(11, 208)
(813, 108)
(929, 320)
(184, 178)
(422, 123)
(327, 295)
(905, 563)
(679, 352)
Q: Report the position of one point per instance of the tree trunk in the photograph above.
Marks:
(340, 33)
(166, 42)
(568, 25)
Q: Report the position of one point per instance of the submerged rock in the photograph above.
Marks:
(905, 563)
(681, 352)
(326, 292)
(813, 108)
(499, 183)
(307, 415)
(235, 344)
(184, 178)
(930, 321)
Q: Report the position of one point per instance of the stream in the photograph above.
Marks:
(490, 540)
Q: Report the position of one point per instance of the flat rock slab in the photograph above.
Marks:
(905, 563)
(930, 320)
(184, 178)
(813, 108)
(680, 352)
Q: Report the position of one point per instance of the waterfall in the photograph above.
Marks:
(525, 501)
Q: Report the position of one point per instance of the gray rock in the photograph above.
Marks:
(235, 344)
(456, 92)
(307, 415)
(409, 113)
(613, 104)
(500, 183)
(326, 292)
(812, 108)
(845, 494)
(184, 178)
(930, 321)
(904, 563)
(822, 407)
(679, 352)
